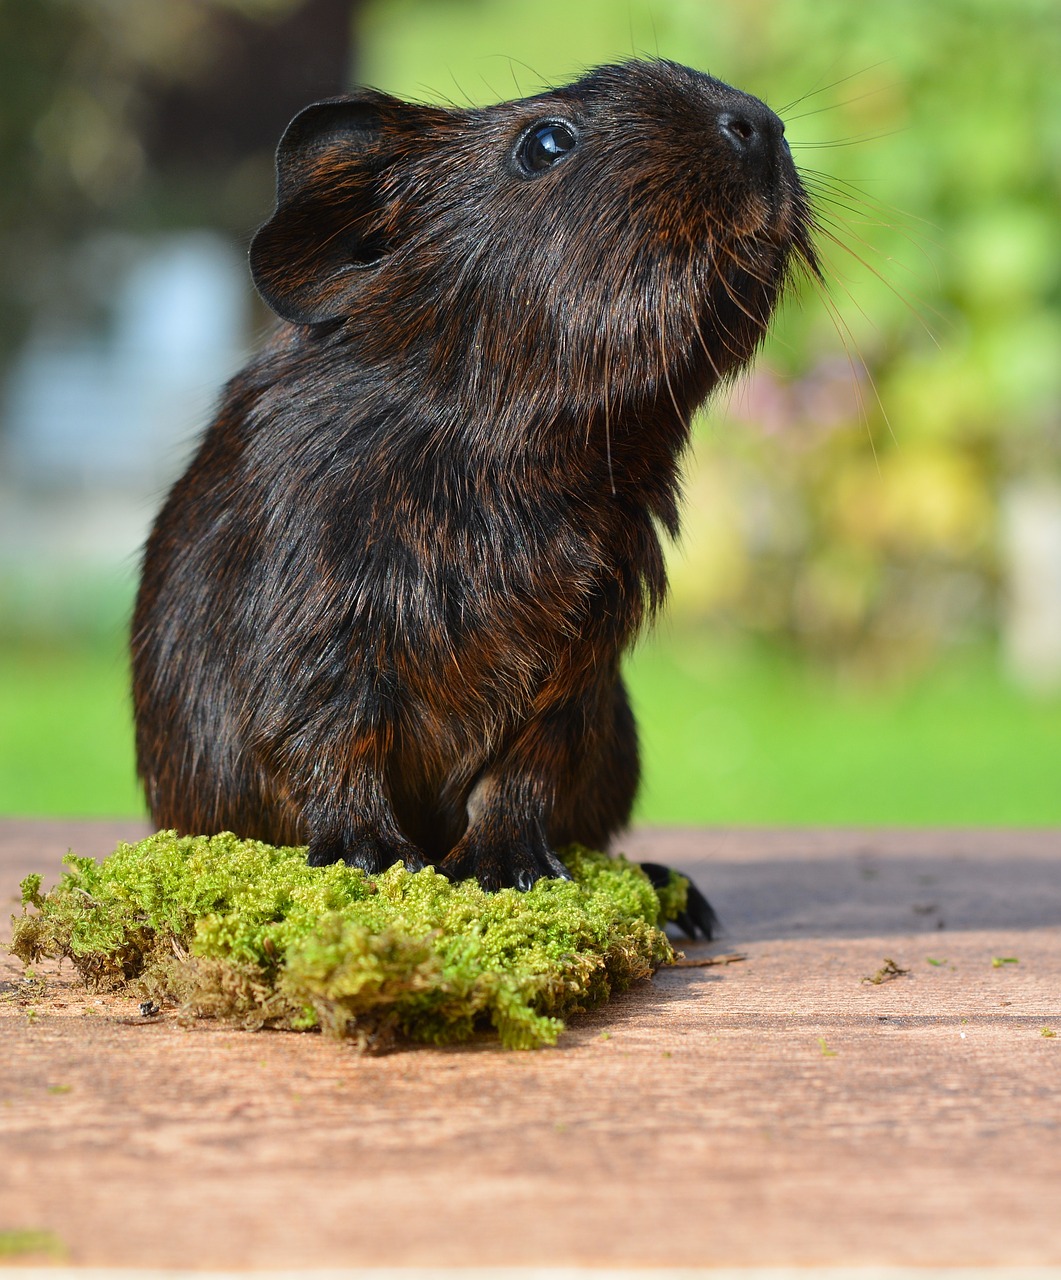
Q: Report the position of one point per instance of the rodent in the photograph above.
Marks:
(382, 612)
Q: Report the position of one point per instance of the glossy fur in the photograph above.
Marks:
(383, 611)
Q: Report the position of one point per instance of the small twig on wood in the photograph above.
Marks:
(730, 958)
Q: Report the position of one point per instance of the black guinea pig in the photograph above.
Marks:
(382, 613)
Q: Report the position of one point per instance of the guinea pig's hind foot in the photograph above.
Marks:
(372, 852)
(698, 920)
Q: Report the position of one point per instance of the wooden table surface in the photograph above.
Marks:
(775, 1111)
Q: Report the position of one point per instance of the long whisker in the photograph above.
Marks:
(847, 339)
(699, 332)
(845, 142)
(742, 264)
(879, 275)
(664, 362)
(813, 93)
(843, 197)
(832, 106)
(842, 187)
(833, 228)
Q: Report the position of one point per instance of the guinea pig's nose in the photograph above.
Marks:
(751, 129)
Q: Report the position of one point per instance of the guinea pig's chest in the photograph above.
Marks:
(498, 600)
(501, 561)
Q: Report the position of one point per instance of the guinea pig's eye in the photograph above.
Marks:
(544, 145)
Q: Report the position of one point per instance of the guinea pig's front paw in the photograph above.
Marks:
(371, 851)
(510, 865)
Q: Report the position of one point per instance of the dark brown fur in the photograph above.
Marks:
(383, 610)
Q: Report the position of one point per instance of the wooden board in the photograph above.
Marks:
(775, 1110)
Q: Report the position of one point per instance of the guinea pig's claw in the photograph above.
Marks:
(371, 852)
(518, 867)
(556, 868)
(698, 920)
(550, 868)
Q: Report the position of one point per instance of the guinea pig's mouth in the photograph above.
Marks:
(773, 226)
(794, 224)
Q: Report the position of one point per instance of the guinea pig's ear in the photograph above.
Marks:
(308, 258)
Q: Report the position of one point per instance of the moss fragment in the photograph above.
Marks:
(887, 972)
(245, 932)
(30, 1244)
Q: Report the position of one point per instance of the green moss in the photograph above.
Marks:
(24, 1244)
(242, 931)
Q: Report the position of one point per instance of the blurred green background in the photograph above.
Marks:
(865, 623)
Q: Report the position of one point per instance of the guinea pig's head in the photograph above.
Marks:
(625, 237)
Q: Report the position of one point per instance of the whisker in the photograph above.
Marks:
(879, 275)
(835, 106)
(841, 186)
(813, 93)
(872, 382)
(699, 332)
(518, 62)
(831, 228)
(845, 142)
(664, 362)
(847, 339)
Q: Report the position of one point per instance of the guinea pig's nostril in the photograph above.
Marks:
(738, 129)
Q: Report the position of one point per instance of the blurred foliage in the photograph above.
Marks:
(102, 126)
(746, 734)
(846, 498)
(729, 734)
(66, 749)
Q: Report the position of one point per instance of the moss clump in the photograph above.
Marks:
(239, 930)
(30, 1243)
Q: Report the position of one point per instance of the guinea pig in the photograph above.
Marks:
(383, 611)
